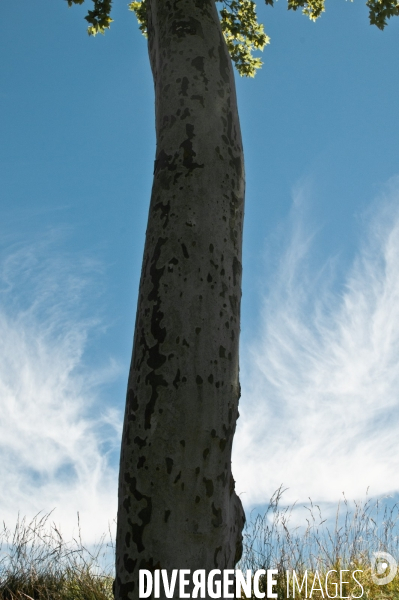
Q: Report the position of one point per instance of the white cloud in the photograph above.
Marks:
(55, 433)
(319, 410)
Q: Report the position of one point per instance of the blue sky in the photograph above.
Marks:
(320, 322)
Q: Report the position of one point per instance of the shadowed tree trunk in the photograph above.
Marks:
(177, 504)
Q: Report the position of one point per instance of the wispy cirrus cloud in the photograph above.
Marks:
(320, 402)
(56, 434)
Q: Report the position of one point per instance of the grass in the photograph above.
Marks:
(37, 564)
(359, 530)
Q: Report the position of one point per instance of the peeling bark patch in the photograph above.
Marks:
(223, 63)
(223, 478)
(215, 556)
(189, 27)
(197, 499)
(144, 514)
(234, 304)
(131, 405)
(208, 487)
(228, 431)
(239, 550)
(188, 152)
(186, 113)
(164, 210)
(129, 563)
(184, 87)
(236, 163)
(198, 63)
(166, 516)
(140, 462)
(237, 268)
(138, 530)
(190, 131)
(176, 380)
(154, 381)
(169, 465)
(164, 161)
(127, 503)
(185, 253)
(222, 352)
(198, 380)
(205, 453)
(230, 126)
(156, 359)
(177, 477)
(131, 399)
(155, 273)
(199, 98)
(172, 263)
(217, 521)
(183, 443)
(140, 443)
(210, 378)
(219, 154)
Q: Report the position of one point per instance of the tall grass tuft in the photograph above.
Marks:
(347, 542)
(36, 563)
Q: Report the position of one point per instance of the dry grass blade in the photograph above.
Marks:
(270, 542)
(36, 563)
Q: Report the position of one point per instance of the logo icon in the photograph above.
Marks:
(384, 564)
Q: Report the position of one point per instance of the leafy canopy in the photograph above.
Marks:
(242, 32)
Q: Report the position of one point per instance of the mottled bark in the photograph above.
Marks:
(177, 504)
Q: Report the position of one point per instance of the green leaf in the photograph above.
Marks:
(243, 34)
(381, 11)
(99, 18)
(312, 8)
(140, 10)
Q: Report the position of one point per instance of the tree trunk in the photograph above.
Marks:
(177, 504)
